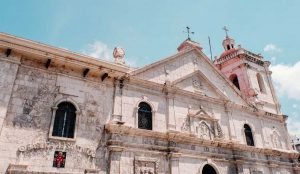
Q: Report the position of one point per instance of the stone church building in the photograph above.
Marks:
(63, 112)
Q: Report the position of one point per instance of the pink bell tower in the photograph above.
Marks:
(250, 74)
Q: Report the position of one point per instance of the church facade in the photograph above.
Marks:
(63, 112)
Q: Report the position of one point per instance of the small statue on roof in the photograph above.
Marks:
(119, 54)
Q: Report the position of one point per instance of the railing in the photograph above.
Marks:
(255, 58)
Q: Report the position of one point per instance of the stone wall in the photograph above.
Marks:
(9, 67)
(30, 91)
(29, 113)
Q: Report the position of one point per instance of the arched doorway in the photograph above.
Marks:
(208, 169)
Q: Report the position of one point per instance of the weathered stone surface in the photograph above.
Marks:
(198, 117)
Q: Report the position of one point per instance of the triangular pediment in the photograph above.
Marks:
(181, 68)
(197, 82)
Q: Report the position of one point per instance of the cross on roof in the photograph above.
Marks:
(226, 30)
(189, 32)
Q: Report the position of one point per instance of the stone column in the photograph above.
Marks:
(117, 107)
(171, 112)
(9, 69)
(174, 163)
(231, 131)
(262, 132)
(287, 136)
(114, 159)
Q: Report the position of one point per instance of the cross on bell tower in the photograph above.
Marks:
(188, 32)
(249, 73)
(228, 43)
(226, 31)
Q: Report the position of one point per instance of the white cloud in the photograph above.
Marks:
(99, 50)
(287, 83)
(102, 51)
(286, 80)
(293, 123)
(272, 48)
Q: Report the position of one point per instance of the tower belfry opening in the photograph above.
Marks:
(249, 72)
(228, 43)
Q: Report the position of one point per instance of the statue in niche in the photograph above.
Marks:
(220, 132)
(275, 140)
(203, 131)
(186, 125)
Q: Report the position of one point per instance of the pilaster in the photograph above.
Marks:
(174, 163)
(114, 159)
(117, 106)
(231, 130)
(9, 70)
(171, 112)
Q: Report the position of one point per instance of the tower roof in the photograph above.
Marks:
(189, 44)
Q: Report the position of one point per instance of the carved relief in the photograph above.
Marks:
(49, 146)
(81, 156)
(204, 123)
(145, 166)
(275, 140)
(186, 125)
(203, 131)
(197, 84)
(219, 131)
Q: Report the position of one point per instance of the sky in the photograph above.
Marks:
(150, 30)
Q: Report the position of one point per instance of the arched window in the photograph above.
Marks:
(260, 82)
(228, 47)
(234, 79)
(144, 116)
(208, 169)
(65, 119)
(248, 135)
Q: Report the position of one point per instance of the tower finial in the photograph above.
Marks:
(226, 31)
(188, 32)
(228, 43)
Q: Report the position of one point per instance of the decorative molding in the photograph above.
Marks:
(178, 137)
(54, 145)
(145, 165)
(43, 50)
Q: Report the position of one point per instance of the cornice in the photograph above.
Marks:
(178, 137)
(43, 50)
(173, 91)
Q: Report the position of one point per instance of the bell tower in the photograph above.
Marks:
(228, 43)
(249, 73)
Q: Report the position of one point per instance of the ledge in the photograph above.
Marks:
(178, 137)
(17, 168)
(91, 171)
(61, 139)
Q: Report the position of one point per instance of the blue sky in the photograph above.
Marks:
(151, 30)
